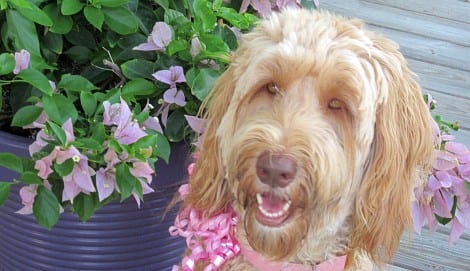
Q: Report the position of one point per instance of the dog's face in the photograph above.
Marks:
(315, 134)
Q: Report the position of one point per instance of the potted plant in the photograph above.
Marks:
(93, 94)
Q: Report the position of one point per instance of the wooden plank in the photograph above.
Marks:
(429, 50)
(405, 20)
(441, 79)
(426, 49)
(456, 10)
(431, 251)
(391, 267)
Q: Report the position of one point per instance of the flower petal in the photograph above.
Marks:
(161, 35)
(180, 99)
(22, 59)
(142, 170)
(445, 161)
(456, 148)
(105, 183)
(68, 129)
(163, 76)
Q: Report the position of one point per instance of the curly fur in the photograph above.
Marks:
(356, 164)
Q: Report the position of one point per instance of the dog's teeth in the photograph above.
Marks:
(259, 198)
(282, 212)
(287, 206)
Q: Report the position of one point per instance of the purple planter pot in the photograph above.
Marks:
(119, 236)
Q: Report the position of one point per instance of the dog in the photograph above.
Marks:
(317, 132)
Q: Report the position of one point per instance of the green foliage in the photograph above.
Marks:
(85, 53)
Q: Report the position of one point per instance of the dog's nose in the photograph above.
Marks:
(276, 170)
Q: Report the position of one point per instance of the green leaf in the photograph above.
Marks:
(203, 82)
(125, 180)
(233, 17)
(46, 207)
(30, 177)
(59, 108)
(37, 79)
(65, 168)
(57, 132)
(120, 20)
(53, 42)
(88, 144)
(214, 43)
(35, 14)
(145, 142)
(137, 68)
(112, 3)
(26, 115)
(4, 191)
(70, 7)
(94, 16)
(75, 83)
(204, 14)
(163, 148)
(227, 36)
(23, 32)
(176, 126)
(138, 87)
(84, 206)
(165, 4)
(174, 17)
(79, 54)
(88, 102)
(99, 133)
(8, 63)
(176, 46)
(61, 24)
(11, 162)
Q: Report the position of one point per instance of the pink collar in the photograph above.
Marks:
(263, 264)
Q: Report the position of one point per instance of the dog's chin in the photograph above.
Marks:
(275, 228)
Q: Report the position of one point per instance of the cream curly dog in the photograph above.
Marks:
(316, 134)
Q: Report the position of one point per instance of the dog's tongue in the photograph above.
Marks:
(272, 203)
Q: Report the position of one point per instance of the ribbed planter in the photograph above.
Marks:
(120, 236)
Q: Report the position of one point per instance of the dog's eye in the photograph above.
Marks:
(272, 88)
(335, 104)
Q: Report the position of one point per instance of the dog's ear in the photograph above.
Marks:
(208, 190)
(402, 146)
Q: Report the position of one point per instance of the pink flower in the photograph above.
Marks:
(79, 180)
(171, 76)
(128, 131)
(105, 177)
(174, 96)
(142, 170)
(68, 129)
(22, 59)
(158, 40)
(40, 142)
(198, 125)
(111, 113)
(105, 183)
(27, 194)
(44, 167)
(154, 124)
(196, 47)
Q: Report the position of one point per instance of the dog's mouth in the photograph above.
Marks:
(272, 210)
